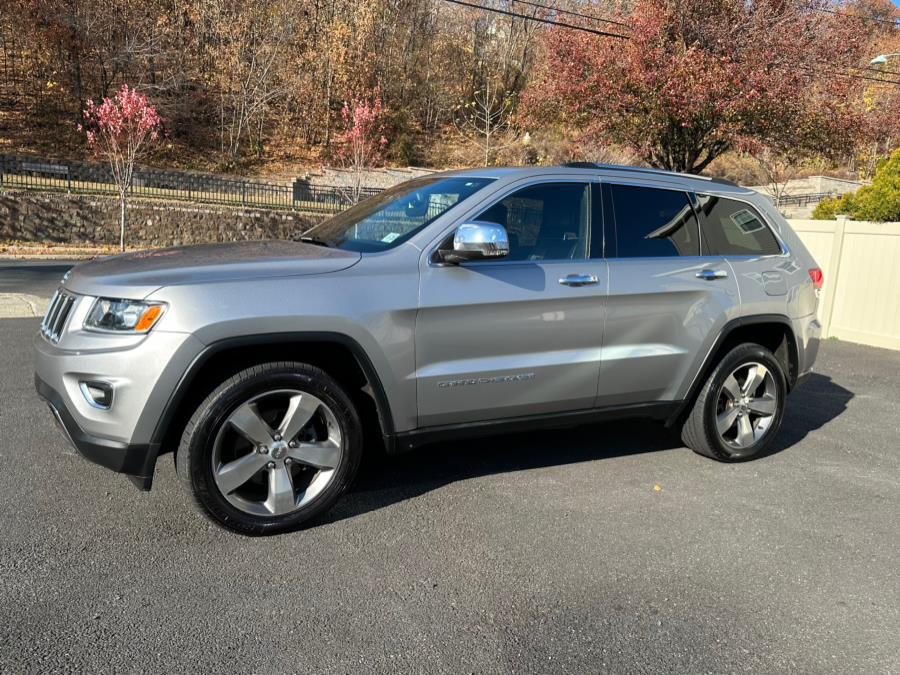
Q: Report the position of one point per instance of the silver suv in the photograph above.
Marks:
(464, 303)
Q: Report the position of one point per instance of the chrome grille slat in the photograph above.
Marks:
(51, 310)
(64, 315)
(57, 314)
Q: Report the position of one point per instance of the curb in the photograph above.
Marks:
(21, 305)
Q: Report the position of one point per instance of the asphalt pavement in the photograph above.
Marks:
(36, 277)
(608, 548)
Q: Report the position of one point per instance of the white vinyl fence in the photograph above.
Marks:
(861, 262)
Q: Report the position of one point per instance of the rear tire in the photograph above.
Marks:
(270, 448)
(739, 409)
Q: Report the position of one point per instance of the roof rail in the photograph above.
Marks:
(581, 165)
(642, 169)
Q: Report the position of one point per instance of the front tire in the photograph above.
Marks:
(270, 448)
(739, 409)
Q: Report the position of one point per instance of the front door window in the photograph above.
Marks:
(548, 221)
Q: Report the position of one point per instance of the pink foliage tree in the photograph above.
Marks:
(699, 77)
(362, 143)
(122, 129)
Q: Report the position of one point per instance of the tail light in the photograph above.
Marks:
(817, 278)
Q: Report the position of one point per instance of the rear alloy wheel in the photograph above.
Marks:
(272, 447)
(739, 409)
(746, 406)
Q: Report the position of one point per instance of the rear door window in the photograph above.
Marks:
(734, 228)
(649, 222)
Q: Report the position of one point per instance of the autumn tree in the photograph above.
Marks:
(361, 144)
(485, 118)
(880, 100)
(248, 82)
(122, 129)
(700, 77)
(246, 46)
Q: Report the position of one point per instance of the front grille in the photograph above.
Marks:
(55, 319)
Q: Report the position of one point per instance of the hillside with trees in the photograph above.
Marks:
(751, 90)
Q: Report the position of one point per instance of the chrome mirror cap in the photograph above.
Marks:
(478, 240)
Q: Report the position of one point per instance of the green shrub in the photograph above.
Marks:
(827, 209)
(878, 202)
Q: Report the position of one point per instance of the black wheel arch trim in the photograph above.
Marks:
(708, 360)
(177, 397)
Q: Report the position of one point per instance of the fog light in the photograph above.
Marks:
(97, 394)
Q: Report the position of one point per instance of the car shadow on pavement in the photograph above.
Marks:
(384, 479)
(814, 403)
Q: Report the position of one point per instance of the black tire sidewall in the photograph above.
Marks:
(224, 401)
(739, 355)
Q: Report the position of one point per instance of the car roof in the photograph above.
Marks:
(642, 175)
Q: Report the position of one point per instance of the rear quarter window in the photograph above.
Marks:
(730, 227)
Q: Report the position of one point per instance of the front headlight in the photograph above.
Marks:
(123, 316)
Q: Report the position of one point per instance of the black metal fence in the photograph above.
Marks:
(804, 199)
(81, 177)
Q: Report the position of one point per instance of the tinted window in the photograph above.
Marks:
(545, 222)
(734, 228)
(651, 223)
(393, 216)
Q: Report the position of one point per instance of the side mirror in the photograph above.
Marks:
(478, 240)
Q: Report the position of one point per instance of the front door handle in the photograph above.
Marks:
(578, 280)
(712, 275)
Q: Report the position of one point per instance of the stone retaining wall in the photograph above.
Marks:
(87, 219)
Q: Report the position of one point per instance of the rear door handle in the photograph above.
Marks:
(578, 280)
(712, 275)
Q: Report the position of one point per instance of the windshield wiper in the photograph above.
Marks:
(315, 241)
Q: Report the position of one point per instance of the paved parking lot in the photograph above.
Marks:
(38, 277)
(547, 552)
(26, 285)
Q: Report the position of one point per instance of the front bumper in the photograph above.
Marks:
(137, 461)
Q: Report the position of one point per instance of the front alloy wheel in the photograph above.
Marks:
(276, 452)
(271, 447)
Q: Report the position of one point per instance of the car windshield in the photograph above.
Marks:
(393, 216)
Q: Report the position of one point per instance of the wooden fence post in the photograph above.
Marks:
(834, 266)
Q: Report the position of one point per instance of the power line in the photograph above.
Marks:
(571, 13)
(625, 37)
(891, 22)
(870, 69)
(851, 76)
(570, 26)
(871, 79)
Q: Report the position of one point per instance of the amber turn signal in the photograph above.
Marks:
(150, 317)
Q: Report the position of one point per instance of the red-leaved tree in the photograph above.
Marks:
(122, 129)
(699, 77)
(361, 144)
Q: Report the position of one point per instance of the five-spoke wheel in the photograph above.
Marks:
(739, 408)
(276, 452)
(748, 400)
(271, 447)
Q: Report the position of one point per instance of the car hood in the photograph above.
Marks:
(135, 275)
